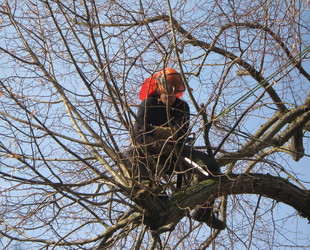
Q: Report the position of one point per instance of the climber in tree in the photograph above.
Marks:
(161, 127)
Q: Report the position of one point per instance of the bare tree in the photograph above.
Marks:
(70, 76)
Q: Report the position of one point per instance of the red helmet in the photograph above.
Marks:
(166, 81)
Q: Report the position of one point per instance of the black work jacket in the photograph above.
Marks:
(152, 112)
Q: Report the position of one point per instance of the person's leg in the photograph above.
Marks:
(142, 165)
(205, 214)
(203, 160)
(136, 162)
(209, 164)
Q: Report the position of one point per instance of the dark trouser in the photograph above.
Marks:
(205, 161)
(156, 159)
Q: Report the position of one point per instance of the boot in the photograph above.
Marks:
(204, 214)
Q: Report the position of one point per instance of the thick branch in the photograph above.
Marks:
(163, 215)
(275, 188)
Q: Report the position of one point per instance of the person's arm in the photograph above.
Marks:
(181, 120)
(141, 128)
(146, 133)
(139, 125)
(179, 124)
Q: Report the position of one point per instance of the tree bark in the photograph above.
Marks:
(181, 203)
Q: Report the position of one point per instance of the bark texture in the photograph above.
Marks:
(163, 214)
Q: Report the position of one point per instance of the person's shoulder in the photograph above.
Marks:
(149, 101)
(182, 103)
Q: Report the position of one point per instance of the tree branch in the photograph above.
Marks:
(167, 213)
(269, 186)
(268, 136)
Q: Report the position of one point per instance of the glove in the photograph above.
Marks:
(163, 133)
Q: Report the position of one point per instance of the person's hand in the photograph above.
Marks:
(164, 133)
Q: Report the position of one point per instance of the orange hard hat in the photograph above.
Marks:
(167, 80)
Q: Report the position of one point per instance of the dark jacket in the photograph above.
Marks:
(152, 112)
